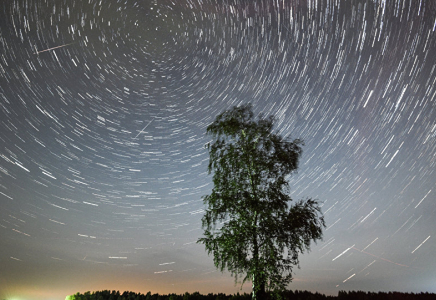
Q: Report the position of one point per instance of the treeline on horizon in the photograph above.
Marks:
(286, 295)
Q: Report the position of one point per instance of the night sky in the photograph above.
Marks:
(103, 111)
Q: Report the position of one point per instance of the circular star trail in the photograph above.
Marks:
(103, 112)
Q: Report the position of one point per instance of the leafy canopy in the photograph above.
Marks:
(249, 226)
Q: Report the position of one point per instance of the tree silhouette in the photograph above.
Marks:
(285, 295)
(248, 225)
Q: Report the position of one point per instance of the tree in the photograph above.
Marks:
(248, 224)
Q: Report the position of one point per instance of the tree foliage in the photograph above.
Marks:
(249, 225)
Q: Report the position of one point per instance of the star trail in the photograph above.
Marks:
(103, 111)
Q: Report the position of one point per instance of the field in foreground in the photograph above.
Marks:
(291, 295)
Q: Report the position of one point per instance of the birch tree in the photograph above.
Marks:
(251, 225)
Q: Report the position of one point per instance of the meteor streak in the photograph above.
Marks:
(144, 127)
(37, 52)
(379, 257)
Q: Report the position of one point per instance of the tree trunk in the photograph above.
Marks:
(258, 287)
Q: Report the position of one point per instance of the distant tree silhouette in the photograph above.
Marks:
(250, 201)
(285, 295)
